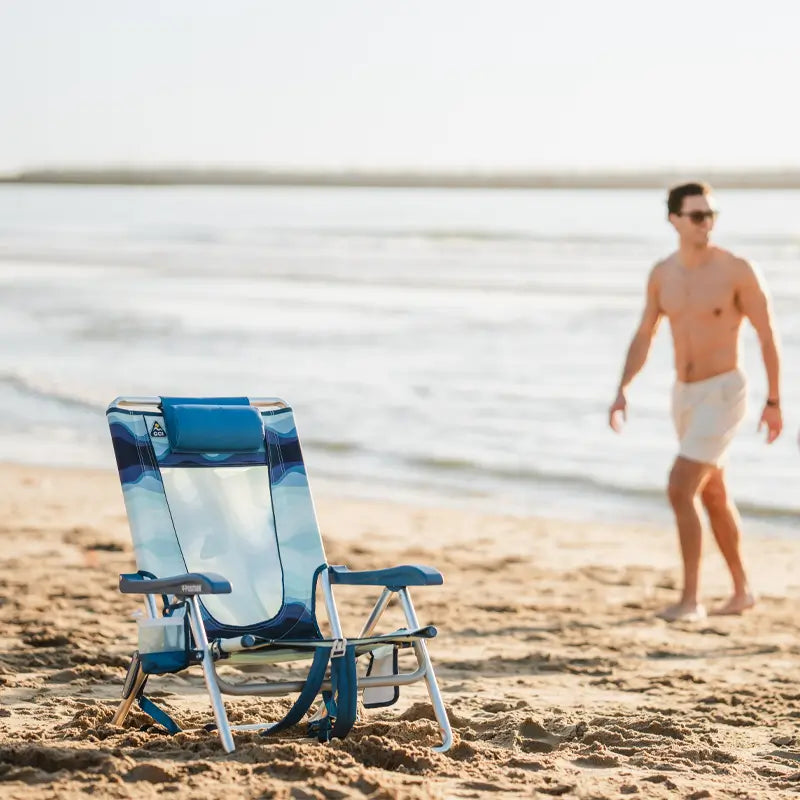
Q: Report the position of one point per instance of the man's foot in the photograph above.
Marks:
(737, 604)
(683, 612)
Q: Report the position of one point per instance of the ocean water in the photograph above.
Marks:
(457, 347)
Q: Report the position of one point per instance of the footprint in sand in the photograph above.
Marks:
(535, 739)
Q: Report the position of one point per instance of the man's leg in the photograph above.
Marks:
(725, 523)
(685, 481)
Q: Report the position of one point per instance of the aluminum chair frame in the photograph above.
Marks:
(210, 651)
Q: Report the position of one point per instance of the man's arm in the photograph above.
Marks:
(752, 298)
(640, 345)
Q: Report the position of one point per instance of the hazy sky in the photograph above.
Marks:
(408, 83)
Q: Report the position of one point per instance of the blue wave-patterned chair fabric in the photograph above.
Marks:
(224, 531)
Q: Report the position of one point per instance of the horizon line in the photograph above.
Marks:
(655, 178)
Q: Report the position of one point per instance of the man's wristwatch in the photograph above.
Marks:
(772, 403)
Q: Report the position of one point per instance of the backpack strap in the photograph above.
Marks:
(316, 674)
(157, 714)
(342, 701)
(345, 684)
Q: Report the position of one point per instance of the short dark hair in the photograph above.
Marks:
(677, 193)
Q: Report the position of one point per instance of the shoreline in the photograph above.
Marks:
(657, 546)
(634, 510)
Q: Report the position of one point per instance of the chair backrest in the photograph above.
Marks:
(219, 485)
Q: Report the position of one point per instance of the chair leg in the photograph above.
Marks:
(133, 683)
(435, 694)
(217, 704)
(136, 676)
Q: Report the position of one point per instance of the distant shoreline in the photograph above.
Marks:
(755, 179)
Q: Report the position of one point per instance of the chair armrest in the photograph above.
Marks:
(182, 585)
(392, 578)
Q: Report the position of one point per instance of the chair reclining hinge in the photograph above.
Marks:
(338, 648)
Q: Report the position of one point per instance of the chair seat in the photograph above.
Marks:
(297, 648)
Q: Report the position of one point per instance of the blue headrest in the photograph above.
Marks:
(212, 428)
(204, 401)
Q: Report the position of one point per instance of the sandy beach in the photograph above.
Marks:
(559, 681)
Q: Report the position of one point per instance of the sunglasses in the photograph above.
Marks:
(699, 217)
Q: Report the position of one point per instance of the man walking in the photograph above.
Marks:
(705, 292)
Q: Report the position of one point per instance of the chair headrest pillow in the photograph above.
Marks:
(211, 428)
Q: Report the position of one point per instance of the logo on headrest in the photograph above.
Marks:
(157, 430)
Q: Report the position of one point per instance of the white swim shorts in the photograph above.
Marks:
(707, 414)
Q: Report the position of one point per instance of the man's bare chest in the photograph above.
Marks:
(697, 294)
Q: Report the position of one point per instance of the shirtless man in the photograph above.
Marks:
(705, 292)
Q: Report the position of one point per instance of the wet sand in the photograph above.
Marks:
(559, 681)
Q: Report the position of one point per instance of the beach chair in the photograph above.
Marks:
(230, 559)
